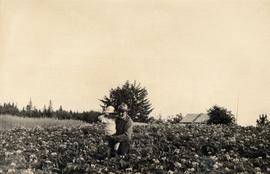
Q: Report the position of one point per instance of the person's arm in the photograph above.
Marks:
(103, 118)
(100, 118)
(127, 132)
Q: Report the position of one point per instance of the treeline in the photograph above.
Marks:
(48, 112)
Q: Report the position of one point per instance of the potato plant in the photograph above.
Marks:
(156, 148)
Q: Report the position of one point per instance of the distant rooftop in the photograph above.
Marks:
(195, 118)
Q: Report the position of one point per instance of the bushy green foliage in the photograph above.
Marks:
(262, 120)
(220, 115)
(176, 119)
(134, 96)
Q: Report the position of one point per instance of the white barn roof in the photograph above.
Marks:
(202, 118)
(189, 118)
(195, 118)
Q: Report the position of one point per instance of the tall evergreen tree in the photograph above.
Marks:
(50, 109)
(134, 96)
(29, 108)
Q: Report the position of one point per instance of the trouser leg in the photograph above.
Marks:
(111, 151)
(123, 148)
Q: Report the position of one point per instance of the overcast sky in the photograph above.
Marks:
(189, 54)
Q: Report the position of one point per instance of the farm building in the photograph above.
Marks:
(195, 119)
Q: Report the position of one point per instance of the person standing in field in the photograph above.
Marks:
(124, 130)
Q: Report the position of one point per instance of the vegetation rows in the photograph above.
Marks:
(157, 148)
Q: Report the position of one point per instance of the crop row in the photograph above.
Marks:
(158, 148)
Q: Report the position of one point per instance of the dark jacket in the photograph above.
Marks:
(124, 129)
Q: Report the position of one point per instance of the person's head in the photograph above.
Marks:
(108, 110)
(123, 109)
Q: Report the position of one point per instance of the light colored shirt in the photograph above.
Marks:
(109, 124)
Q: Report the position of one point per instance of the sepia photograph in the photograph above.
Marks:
(134, 86)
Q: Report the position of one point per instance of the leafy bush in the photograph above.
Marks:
(134, 96)
(262, 120)
(176, 119)
(220, 115)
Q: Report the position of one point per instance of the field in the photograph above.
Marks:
(8, 121)
(159, 148)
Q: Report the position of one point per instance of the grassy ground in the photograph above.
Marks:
(8, 122)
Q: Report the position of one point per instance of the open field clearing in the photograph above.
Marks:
(8, 122)
(155, 149)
